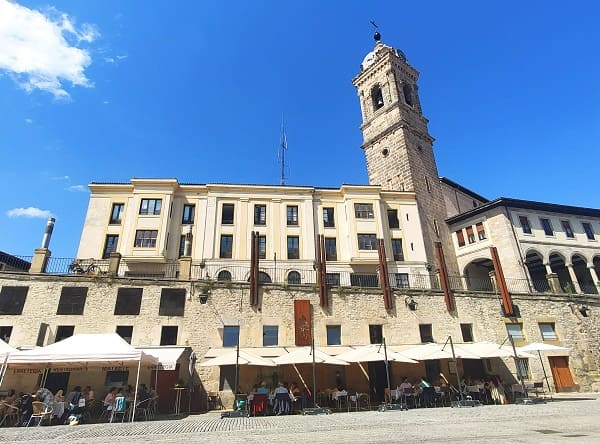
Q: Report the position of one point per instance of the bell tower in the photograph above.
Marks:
(396, 142)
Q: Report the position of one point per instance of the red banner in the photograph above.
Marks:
(302, 322)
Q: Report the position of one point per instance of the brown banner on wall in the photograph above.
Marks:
(383, 276)
(302, 322)
(444, 280)
(507, 305)
(254, 269)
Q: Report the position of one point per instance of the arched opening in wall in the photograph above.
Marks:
(537, 271)
(597, 267)
(557, 265)
(477, 275)
(583, 275)
(264, 278)
(224, 275)
(293, 278)
(377, 97)
(407, 91)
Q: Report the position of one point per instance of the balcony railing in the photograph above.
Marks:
(149, 270)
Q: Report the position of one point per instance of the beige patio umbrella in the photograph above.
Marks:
(304, 355)
(244, 358)
(541, 347)
(487, 349)
(374, 352)
(432, 350)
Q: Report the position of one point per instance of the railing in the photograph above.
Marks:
(69, 265)
(149, 270)
(14, 263)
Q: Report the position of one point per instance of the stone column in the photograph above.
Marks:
(40, 259)
(554, 283)
(185, 268)
(114, 261)
(576, 287)
(592, 271)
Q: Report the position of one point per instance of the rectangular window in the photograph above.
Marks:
(260, 214)
(547, 226)
(168, 335)
(231, 335)
(333, 279)
(467, 332)
(5, 333)
(328, 217)
(116, 378)
(363, 211)
(393, 221)
(470, 235)
(270, 335)
(12, 300)
(293, 247)
(227, 214)
(364, 280)
(397, 250)
(548, 332)
(110, 245)
(72, 301)
(567, 228)
(480, 230)
(460, 238)
(226, 246)
(181, 245)
(292, 215)
(367, 242)
(522, 368)
(126, 332)
(116, 215)
(64, 332)
(145, 238)
(426, 333)
(589, 232)
(427, 184)
(376, 334)
(262, 247)
(334, 335)
(402, 280)
(189, 211)
(150, 206)
(129, 301)
(436, 228)
(525, 225)
(516, 331)
(172, 302)
(330, 249)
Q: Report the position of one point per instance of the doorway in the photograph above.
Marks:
(378, 380)
(56, 381)
(563, 381)
(165, 381)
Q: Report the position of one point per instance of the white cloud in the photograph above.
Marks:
(61, 178)
(78, 188)
(34, 49)
(28, 120)
(122, 57)
(106, 102)
(109, 60)
(30, 212)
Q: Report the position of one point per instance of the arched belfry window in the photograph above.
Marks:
(407, 90)
(377, 97)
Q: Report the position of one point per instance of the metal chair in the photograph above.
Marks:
(11, 412)
(41, 411)
(282, 404)
(119, 409)
(214, 401)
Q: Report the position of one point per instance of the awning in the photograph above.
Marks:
(166, 356)
(432, 350)
(263, 352)
(493, 350)
(243, 358)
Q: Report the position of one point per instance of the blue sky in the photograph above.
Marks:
(110, 90)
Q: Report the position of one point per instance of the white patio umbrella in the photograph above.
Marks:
(244, 358)
(304, 355)
(373, 352)
(542, 347)
(434, 350)
(487, 349)
(5, 351)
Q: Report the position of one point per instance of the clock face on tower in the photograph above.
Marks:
(369, 59)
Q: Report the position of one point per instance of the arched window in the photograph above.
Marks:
(377, 97)
(263, 278)
(407, 90)
(293, 278)
(224, 275)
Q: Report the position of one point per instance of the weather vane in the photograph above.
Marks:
(377, 35)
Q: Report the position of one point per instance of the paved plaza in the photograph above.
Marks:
(571, 418)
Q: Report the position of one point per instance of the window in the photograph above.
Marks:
(376, 334)
(227, 214)
(129, 301)
(72, 301)
(589, 232)
(116, 378)
(546, 226)
(522, 368)
(363, 211)
(567, 228)
(402, 280)
(231, 335)
(293, 278)
(467, 332)
(262, 247)
(364, 280)
(264, 278)
(260, 214)
(12, 300)
(181, 245)
(293, 247)
(328, 217)
(367, 242)
(330, 249)
(427, 185)
(333, 279)
(426, 333)
(5, 333)
(110, 245)
(150, 206)
(126, 332)
(470, 235)
(407, 91)
(270, 335)
(377, 97)
(516, 331)
(226, 246)
(224, 275)
(480, 230)
(393, 221)
(145, 238)
(172, 302)
(460, 238)
(548, 332)
(116, 215)
(525, 225)
(168, 335)
(64, 332)
(397, 250)
(292, 215)
(189, 211)
(334, 335)
(436, 228)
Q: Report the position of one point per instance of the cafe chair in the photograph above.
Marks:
(214, 401)
(120, 408)
(41, 411)
(259, 404)
(282, 404)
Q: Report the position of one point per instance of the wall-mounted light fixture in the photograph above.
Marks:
(410, 303)
(584, 310)
(203, 296)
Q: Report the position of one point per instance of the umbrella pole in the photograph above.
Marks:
(543, 370)
(237, 371)
(314, 374)
(456, 366)
(137, 381)
(519, 373)
(387, 371)
(4, 369)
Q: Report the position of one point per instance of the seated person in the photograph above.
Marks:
(44, 395)
(263, 389)
(143, 397)
(406, 385)
(109, 399)
(8, 400)
(76, 405)
(58, 396)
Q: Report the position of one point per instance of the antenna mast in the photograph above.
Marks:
(282, 150)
